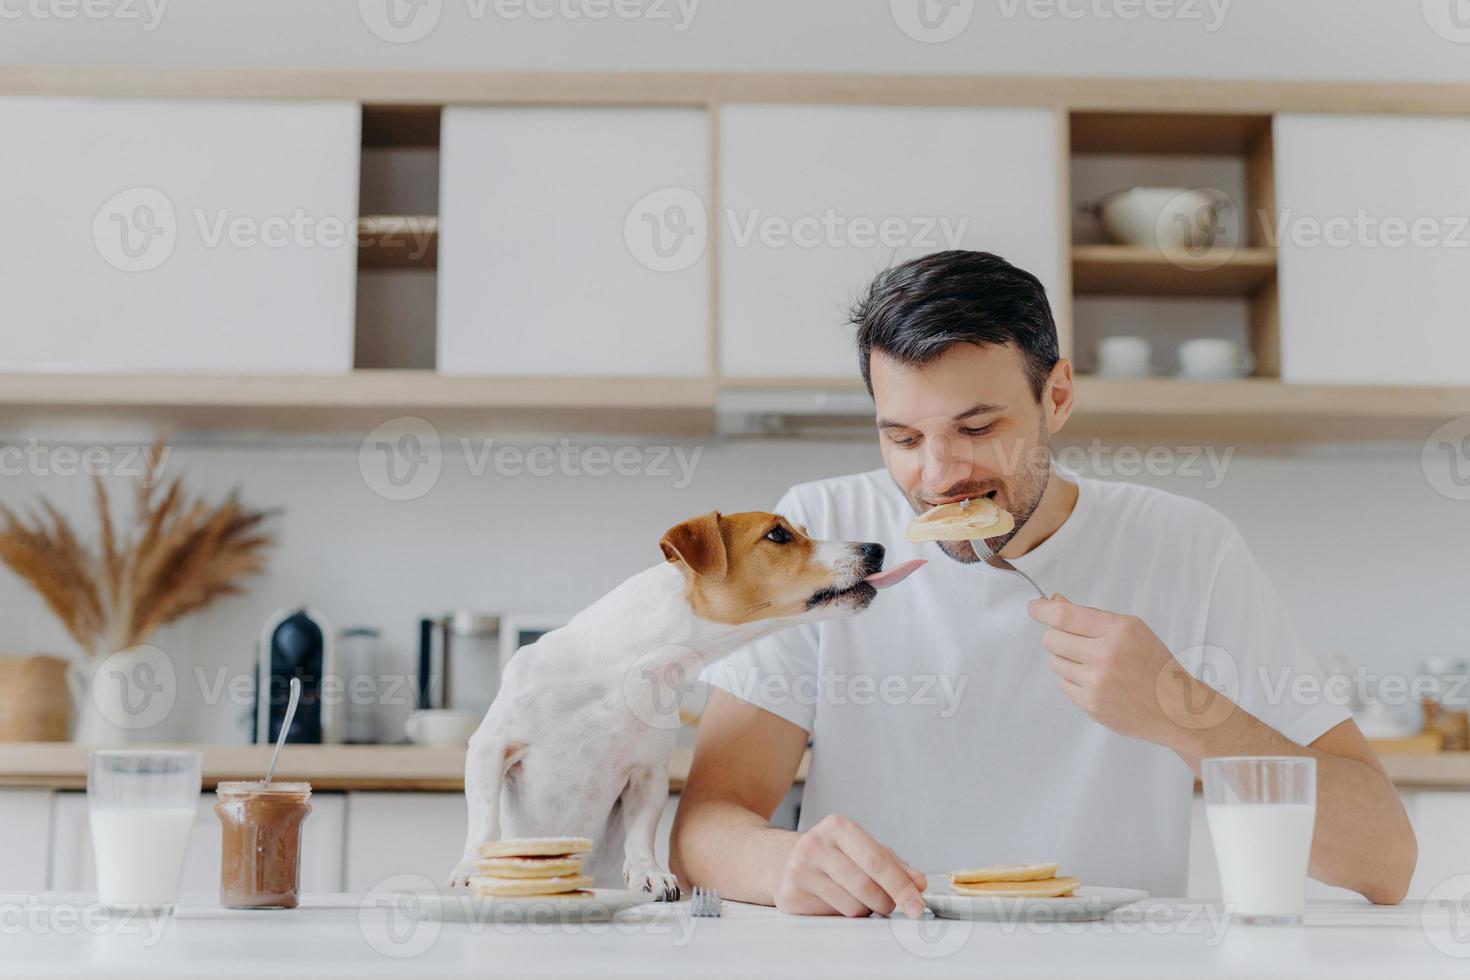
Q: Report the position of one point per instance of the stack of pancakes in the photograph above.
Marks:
(532, 866)
(1013, 881)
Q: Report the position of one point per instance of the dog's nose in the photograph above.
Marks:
(872, 555)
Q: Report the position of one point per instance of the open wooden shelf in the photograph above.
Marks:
(1126, 270)
(398, 241)
(363, 399)
(400, 126)
(1167, 133)
(1261, 409)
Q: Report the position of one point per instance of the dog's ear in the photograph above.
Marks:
(698, 545)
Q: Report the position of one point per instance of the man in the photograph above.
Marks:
(963, 721)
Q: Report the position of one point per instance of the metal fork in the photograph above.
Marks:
(983, 552)
(704, 903)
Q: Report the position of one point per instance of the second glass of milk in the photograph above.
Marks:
(1261, 810)
(142, 807)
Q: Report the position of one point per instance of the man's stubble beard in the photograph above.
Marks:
(1029, 487)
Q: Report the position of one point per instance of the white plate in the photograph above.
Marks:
(1088, 904)
(463, 905)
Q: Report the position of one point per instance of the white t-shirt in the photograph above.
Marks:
(937, 724)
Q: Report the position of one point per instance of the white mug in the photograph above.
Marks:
(1123, 357)
(1214, 357)
(441, 727)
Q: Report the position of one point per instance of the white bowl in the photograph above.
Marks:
(1166, 218)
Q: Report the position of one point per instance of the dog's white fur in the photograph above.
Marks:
(577, 743)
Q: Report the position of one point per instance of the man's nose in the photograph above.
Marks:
(945, 463)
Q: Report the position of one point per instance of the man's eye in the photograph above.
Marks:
(904, 442)
(978, 432)
(779, 535)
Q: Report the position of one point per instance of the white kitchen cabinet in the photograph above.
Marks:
(817, 199)
(145, 236)
(25, 844)
(1374, 248)
(1442, 823)
(391, 834)
(423, 834)
(73, 869)
(573, 242)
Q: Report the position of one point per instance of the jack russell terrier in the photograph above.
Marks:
(577, 743)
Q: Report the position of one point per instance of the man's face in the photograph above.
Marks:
(965, 425)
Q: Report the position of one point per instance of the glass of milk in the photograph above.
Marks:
(1260, 810)
(142, 806)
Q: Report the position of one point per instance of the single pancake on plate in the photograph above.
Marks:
(1004, 872)
(1044, 888)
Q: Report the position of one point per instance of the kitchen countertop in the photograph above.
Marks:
(53, 935)
(63, 765)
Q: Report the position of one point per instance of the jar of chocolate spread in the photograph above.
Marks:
(260, 866)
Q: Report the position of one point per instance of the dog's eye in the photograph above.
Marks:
(779, 535)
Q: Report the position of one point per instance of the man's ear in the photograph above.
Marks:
(698, 545)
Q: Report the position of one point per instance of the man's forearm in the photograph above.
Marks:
(1362, 839)
(723, 845)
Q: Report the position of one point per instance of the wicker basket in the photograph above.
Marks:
(35, 705)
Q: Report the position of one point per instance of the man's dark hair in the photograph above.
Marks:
(915, 312)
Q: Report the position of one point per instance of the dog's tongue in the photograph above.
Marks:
(892, 576)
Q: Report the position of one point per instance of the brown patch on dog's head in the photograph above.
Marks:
(698, 546)
(754, 566)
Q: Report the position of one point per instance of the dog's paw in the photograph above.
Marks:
(460, 876)
(663, 886)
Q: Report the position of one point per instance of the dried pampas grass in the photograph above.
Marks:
(181, 555)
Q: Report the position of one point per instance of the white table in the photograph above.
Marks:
(53, 935)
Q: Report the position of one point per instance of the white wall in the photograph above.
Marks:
(520, 542)
(502, 543)
(1304, 39)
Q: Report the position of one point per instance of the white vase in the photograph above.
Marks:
(97, 702)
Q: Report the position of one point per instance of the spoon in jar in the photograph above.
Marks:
(285, 726)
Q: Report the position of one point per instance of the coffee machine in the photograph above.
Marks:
(297, 643)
